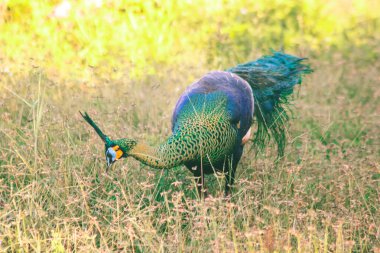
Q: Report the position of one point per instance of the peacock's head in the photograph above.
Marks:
(114, 149)
(113, 153)
(117, 149)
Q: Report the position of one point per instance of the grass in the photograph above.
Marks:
(55, 195)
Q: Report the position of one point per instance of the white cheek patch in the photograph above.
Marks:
(246, 137)
(110, 152)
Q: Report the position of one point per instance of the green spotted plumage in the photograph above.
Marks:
(213, 117)
(202, 132)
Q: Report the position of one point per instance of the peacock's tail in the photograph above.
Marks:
(272, 79)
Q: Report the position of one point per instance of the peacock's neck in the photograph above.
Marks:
(164, 156)
(206, 138)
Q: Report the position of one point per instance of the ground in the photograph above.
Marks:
(128, 71)
(55, 194)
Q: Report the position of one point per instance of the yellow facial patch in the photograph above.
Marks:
(119, 152)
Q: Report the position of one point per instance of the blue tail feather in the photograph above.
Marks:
(272, 79)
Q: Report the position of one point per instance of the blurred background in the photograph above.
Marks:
(140, 37)
(126, 63)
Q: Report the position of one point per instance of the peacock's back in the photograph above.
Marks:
(217, 92)
(214, 114)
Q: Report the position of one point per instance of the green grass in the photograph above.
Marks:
(141, 37)
(55, 195)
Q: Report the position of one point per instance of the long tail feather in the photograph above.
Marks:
(88, 119)
(272, 79)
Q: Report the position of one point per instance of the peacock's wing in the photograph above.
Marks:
(219, 93)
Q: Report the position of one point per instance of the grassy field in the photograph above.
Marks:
(323, 196)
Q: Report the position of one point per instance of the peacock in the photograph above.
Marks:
(212, 119)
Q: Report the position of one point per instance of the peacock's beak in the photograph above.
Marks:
(109, 163)
(110, 157)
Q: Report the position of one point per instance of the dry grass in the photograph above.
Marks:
(55, 195)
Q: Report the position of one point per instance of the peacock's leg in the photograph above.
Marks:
(199, 180)
(230, 178)
(232, 165)
(202, 192)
